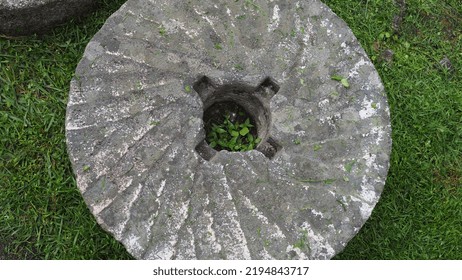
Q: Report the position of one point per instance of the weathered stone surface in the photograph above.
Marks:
(25, 17)
(134, 120)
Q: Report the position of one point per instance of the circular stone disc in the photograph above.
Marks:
(134, 120)
(25, 17)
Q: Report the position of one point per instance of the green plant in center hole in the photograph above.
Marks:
(231, 136)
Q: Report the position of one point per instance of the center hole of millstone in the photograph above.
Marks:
(228, 126)
(236, 117)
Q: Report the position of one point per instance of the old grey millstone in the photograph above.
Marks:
(134, 130)
(25, 17)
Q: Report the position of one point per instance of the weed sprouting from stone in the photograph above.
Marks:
(232, 136)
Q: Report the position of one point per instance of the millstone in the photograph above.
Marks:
(135, 130)
(25, 17)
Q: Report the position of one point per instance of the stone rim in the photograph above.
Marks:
(26, 17)
(347, 188)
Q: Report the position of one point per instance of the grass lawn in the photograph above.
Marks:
(417, 50)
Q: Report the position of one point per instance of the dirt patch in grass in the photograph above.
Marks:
(3, 254)
(451, 180)
(20, 254)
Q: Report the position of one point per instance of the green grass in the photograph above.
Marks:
(419, 216)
